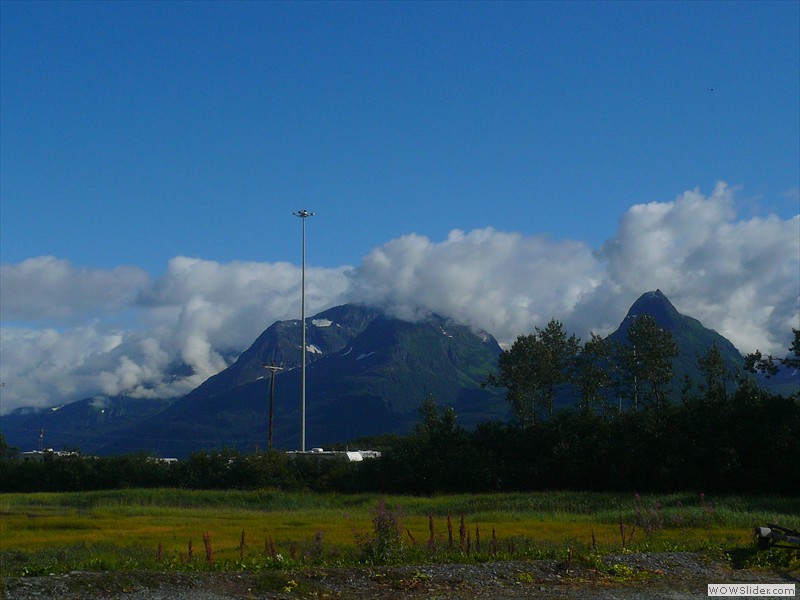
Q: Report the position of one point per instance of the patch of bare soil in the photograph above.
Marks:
(671, 575)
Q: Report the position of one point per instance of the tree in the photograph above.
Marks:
(435, 422)
(593, 371)
(434, 457)
(532, 368)
(793, 360)
(7, 451)
(516, 371)
(715, 373)
(647, 358)
(756, 362)
(557, 361)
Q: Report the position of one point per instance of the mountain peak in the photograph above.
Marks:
(692, 338)
(658, 306)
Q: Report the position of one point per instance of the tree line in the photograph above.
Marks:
(600, 372)
(724, 435)
(744, 442)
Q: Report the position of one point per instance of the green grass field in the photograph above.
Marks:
(151, 529)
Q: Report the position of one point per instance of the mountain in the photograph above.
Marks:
(281, 345)
(692, 338)
(367, 374)
(87, 424)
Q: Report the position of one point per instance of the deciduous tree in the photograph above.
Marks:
(533, 367)
(648, 359)
(593, 374)
(715, 373)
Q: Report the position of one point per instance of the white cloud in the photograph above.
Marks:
(198, 312)
(502, 282)
(741, 278)
(204, 308)
(48, 288)
(45, 366)
(738, 276)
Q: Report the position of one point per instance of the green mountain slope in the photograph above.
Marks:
(367, 375)
(693, 339)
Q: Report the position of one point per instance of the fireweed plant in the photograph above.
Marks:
(267, 530)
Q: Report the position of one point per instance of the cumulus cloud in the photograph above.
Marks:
(740, 276)
(205, 309)
(40, 367)
(502, 282)
(195, 318)
(49, 288)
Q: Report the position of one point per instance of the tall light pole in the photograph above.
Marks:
(303, 214)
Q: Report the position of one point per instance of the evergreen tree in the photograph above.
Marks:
(6, 450)
(557, 362)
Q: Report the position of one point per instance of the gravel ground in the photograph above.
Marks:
(671, 575)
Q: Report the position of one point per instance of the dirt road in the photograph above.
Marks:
(672, 576)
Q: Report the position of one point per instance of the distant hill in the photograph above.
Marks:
(87, 424)
(368, 373)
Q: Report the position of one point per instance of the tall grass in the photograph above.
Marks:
(168, 528)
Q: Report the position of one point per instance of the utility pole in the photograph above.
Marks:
(272, 368)
(303, 214)
(635, 381)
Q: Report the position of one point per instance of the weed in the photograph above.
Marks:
(621, 571)
(317, 545)
(209, 550)
(626, 542)
(269, 548)
(449, 531)
(123, 531)
(432, 538)
(411, 538)
(772, 559)
(648, 517)
(385, 543)
(594, 561)
(462, 534)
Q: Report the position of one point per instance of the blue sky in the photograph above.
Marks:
(146, 144)
(135, 132)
